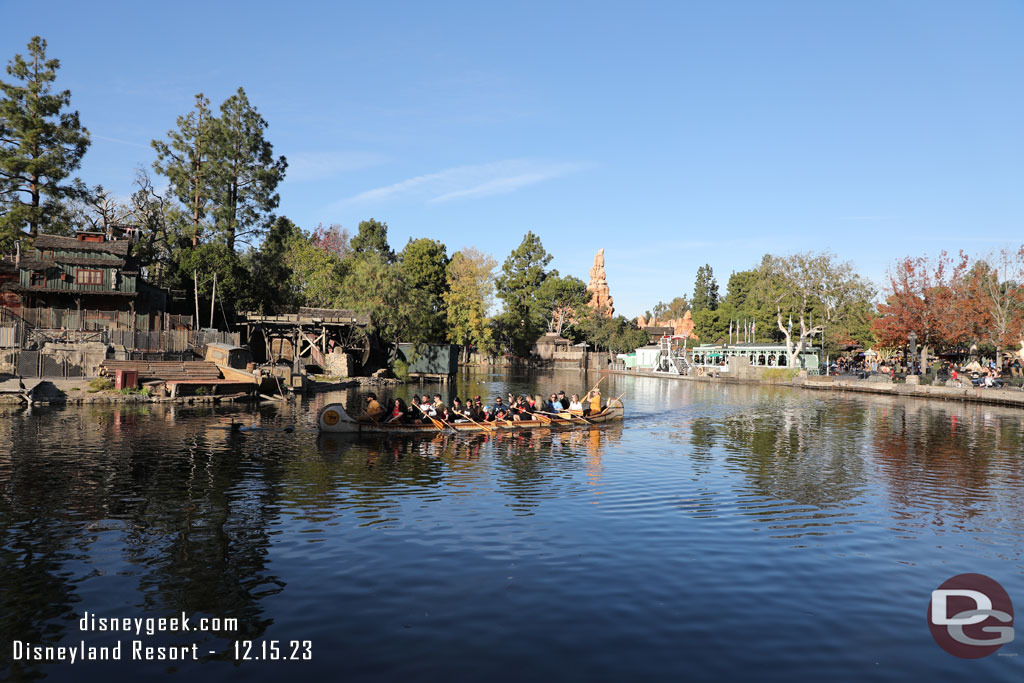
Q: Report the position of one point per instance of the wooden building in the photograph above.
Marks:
(84, 282)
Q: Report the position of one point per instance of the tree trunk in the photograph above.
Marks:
(197, 179)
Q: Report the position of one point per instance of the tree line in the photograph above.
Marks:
(216, 225)
(217, 217)
(943, 303)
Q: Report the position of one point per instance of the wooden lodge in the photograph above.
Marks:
(84, 282)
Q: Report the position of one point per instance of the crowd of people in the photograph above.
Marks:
(947, 371)
(426, 409)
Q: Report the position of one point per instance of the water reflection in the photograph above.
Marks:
(525, 465)
(950, 468)
(809, 463)
(95, 494)
(159, 509)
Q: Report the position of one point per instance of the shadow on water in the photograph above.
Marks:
(107, 493)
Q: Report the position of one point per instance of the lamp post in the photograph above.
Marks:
(912, 342)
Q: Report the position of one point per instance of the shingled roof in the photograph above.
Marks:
(118, 247)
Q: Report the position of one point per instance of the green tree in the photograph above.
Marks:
(560, 301)
(317, 273)
(425, 264)
(381, 290)
(742, 285)
(617, 335)
(746, 306)
(233, 279)
(41, 145)
(470, 293)
(188, 161)
(372, 237)
(247, 174)
(705, 290)
(671, 311)
(809, 288)
(711, 326)
(521, 276)
(271, 274)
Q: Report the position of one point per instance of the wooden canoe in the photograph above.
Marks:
(334, 419)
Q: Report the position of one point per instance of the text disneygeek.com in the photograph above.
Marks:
(138, 650)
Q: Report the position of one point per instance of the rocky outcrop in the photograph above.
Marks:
(680, 326)
(601, 299)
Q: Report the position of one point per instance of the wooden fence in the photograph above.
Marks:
(91, 319)
(166, 340)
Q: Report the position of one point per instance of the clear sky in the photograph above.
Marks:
(672, 134)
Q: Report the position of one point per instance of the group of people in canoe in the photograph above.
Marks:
(424, 409)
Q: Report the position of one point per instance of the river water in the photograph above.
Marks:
(720, 532)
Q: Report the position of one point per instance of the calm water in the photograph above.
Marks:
(721, 532)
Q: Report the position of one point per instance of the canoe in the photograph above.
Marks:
(334, 419)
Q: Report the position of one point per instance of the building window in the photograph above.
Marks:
(37, 280)
(88, 277)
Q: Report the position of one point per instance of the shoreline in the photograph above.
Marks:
(990, 396)
(60, 392)
(75, 392)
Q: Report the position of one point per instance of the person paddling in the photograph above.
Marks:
(594, 396)
(373, 411)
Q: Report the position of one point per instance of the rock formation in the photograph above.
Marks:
(680, 326)
(601, 301)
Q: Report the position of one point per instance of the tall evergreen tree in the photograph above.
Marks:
(521, 276)
(425, 262)
(187, 159)
(372, 237)
(705, 290)
(247, 174)
(41, 144)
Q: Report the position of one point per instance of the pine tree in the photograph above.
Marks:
(521, 276)
(222, 170)
(247, 173)
(705, 290)
(372, 237)
(187, 160)
(41, 144)
(425, 263)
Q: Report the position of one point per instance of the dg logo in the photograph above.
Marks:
(971, 616)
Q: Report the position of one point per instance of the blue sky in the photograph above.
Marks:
(672, 134)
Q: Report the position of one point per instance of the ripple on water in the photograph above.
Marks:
(721, 532)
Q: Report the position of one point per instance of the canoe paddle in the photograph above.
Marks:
(545, 420)
(486, 428)
(436, 423)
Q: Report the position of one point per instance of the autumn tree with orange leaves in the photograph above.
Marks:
(995, 290)
(929, 297)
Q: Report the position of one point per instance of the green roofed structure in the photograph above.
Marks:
(759, 355)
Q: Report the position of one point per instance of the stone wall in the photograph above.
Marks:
(338, 364)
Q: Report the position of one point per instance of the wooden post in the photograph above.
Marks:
(213, 299)
(195, 281)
